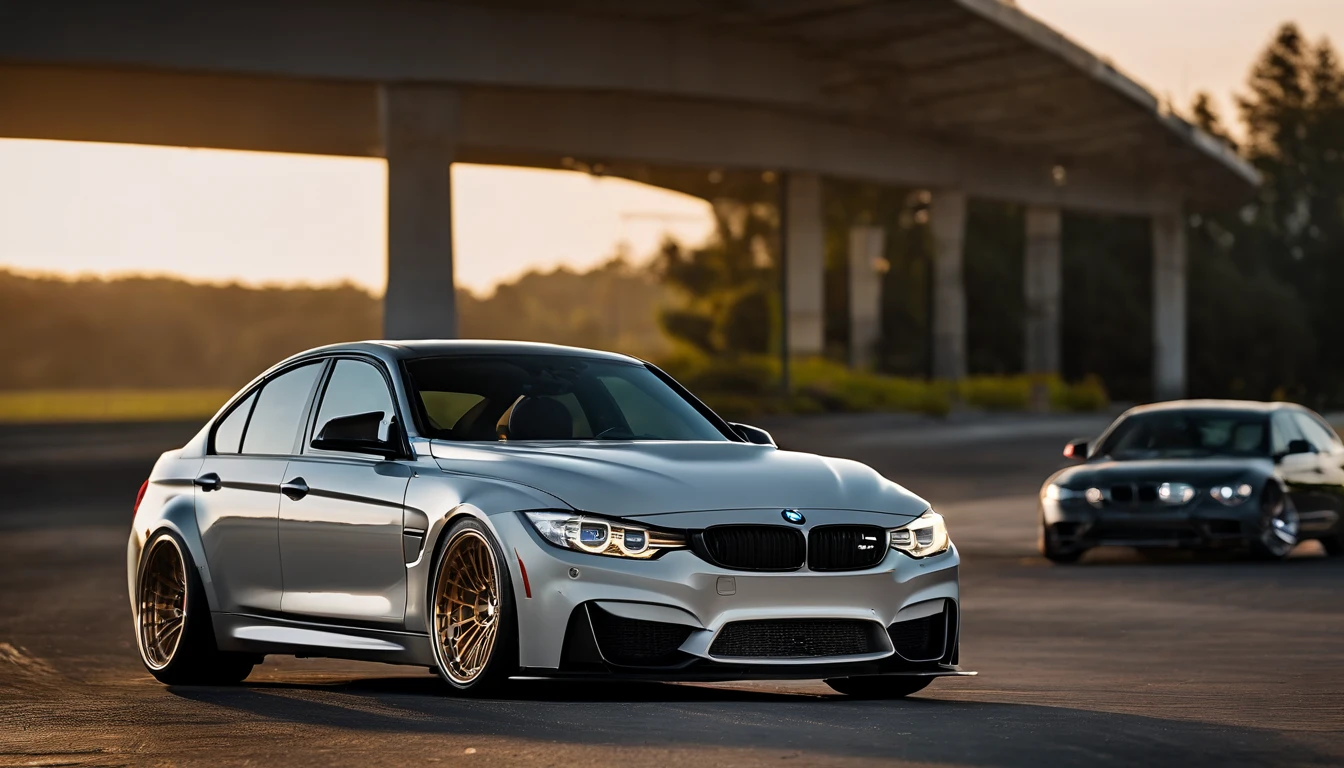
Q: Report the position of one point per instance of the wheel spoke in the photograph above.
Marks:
(465, 603)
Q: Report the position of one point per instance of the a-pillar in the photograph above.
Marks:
(866, 247)
(1041, 286)
(947, 221)
(1169, 266)
(420, 129)
(804, 264)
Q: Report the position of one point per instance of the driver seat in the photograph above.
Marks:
(540, 418)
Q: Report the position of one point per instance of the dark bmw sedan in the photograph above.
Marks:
(1199, 474)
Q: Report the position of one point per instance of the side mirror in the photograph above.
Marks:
(1298, 446)
(753, 434)
(359, 434)
(1076, 450)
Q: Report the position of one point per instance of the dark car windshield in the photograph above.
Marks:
(551, 397)
(1188, 434)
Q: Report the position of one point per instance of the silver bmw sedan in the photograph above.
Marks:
(493, 510)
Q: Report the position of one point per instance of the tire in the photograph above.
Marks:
(173, 629)
(879, 686)
(1334, 545)
(1051, 548)
(1277, 533)
(478, 659)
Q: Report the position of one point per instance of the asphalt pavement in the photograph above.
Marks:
(1120, 660)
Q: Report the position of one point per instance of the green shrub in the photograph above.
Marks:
(996, 393)
(1086, 395)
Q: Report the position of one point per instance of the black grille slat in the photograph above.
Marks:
(636, 643)
(754, 547)
(846, 547)
(795, 639)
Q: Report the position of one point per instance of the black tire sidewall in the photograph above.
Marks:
(504, 656)
(196, 627)
(879, 687)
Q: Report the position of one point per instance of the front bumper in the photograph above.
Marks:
(1203, 524)
(691, 601)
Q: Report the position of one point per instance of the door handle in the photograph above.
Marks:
(208, 482)
(295, 489)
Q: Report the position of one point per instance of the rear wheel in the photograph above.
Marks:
(173, 627)
(1334, 545)
(1277, 532)
(879, 687)
(474, 624)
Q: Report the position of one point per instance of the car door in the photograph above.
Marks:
(238, 490)
(341, 514)
(1325, 486)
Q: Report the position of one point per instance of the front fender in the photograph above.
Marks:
(436, 501)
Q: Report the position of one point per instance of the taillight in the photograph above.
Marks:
(139, 497)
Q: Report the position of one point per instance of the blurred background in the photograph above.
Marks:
(801, 208)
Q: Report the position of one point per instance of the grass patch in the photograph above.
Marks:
(78, 405)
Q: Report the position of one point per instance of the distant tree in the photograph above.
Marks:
(728, 286)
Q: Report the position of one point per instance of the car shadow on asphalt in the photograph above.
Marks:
(916, 729)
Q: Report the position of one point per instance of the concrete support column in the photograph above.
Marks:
(1041, 284)
(866, 248)
(804, 264)
(1169, 266)
(420, 129)
(947, 220)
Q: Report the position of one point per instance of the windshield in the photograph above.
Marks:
(551, 397)
(1188, 434)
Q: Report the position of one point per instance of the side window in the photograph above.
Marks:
(356, 388)
(1316, 434)
(1283, 430)
(279, 409)
(229, 430)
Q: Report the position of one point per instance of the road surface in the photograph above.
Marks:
(1117, 661)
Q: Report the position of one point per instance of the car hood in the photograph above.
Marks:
(625, 479)
(1198, 472)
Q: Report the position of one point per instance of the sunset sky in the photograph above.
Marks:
(211, 215)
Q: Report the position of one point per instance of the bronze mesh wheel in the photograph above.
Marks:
(163, 603)
(467, 606)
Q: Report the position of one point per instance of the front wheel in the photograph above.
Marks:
(1277, 532)
(878, 686)
(1055, 550)
(475, 635)
(173, 627)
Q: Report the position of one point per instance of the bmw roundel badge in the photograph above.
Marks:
(794, 516)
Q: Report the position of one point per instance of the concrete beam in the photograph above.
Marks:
(867, 245)
(420, 127)
(947, 220)
(1169, 301)
(1042, 288)
(538, 127)
(804, 262)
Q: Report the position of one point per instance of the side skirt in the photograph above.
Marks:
(267, 635)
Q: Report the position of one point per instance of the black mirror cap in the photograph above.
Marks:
(359, 434)
(1299, 446)
(753, 434)
(1076, 450)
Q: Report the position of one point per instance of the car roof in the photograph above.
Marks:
(410, 350)
(1253, 406)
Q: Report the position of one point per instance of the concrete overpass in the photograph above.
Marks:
(968, 98)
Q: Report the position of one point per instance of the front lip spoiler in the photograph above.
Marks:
(738, 673)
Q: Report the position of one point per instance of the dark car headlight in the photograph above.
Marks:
(1232, 494)
(600, 536)
(925, 536)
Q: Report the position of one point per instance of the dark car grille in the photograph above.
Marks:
(795, 639)
(754, 547)
(845, 547)
(636, 643)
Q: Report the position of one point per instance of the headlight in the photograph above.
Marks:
(1175, 494)
(598, 536)
(923, 537)
(1232, 495)
(1092, 496)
